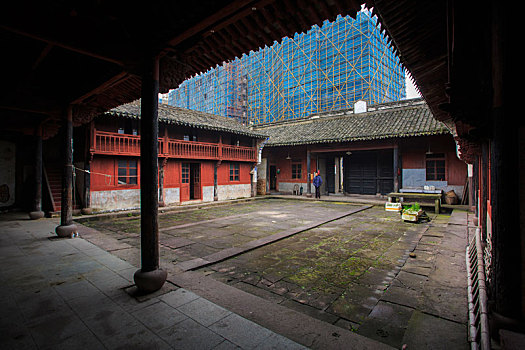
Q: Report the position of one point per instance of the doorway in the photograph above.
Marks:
(195, 181)
(273, 177)
(190, 187)
(369, 172)
(330, 175)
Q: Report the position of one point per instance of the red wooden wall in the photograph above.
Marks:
(413, 156)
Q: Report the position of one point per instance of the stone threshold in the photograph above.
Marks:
(234, 251)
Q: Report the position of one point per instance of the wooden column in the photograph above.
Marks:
(506, 255)
(149, 278)
(162, 168)
(475, 188)
(67, 228)
(253, 174)
(396, 168)
(161, 181)
(88, 158)
(484, 190)
(268, 180)
(507, 274)
(87, 186)
(309, 174)
(215, 181)
(37, 212)
(217, 164)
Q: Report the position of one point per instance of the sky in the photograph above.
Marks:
(411, 89)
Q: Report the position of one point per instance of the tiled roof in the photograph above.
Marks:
(382, 121)
(186, 117)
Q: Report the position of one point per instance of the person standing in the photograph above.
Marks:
(318, 181)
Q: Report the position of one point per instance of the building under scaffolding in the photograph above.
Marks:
(325, 69)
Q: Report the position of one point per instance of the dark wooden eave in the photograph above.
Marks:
(89, 54)
(448, 46)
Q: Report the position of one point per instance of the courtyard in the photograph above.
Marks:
(351, 265)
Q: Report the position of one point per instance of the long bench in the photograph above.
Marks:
(393, 196)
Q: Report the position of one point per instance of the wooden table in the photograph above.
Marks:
(392, 197)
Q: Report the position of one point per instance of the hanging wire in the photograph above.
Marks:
(106, 176)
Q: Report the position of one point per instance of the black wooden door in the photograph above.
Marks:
(330, 175)
(385, 171)
(369, 172)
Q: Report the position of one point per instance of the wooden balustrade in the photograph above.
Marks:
(114, 143)
(238, 153)
(192, 149)
(122, 144)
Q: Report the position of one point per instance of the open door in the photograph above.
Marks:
(195, 181)
(185, 182)
(273, 177)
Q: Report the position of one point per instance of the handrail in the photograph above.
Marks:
(239, 152)
(478, 330)
(192, 149)
(125, 144)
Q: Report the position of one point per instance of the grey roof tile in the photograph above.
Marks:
(186, 117)
(391, 120)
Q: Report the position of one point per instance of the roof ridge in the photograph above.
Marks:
(348, 113)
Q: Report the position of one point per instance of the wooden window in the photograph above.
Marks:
(297, 169)
(127, 172)
(127, 127)
(190, 137)
(234, 171)
(436, 167)
(185, 173)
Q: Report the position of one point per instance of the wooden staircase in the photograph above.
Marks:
(54, 182)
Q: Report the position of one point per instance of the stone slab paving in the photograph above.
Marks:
(365, 282)
(71, 294)
(198, 237)
(357, 273)
(234, 251)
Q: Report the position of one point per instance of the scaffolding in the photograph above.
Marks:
(327, 68)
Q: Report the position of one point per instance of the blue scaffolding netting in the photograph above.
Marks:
(325, 69)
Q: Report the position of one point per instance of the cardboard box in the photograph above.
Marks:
(393, 207)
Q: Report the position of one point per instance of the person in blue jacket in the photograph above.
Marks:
(318, 181)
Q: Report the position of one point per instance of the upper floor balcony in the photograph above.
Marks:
(112, 143)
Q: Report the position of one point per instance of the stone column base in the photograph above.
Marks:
(86, 211)
(309, 195)
(150, 281)
(35, 215)
(66, 230)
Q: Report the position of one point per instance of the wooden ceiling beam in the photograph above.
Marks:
(42, 55)
(209, 23)
(65, 46)
(108, 84)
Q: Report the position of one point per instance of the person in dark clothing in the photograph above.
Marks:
(318, 181)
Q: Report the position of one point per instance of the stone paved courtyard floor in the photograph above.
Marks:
(353, 266)
(192, 234)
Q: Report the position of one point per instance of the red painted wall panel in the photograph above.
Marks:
(207, 169)
(172, 174)
(223, 174)
(104, 174)
(298, 155)
(413, 155)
